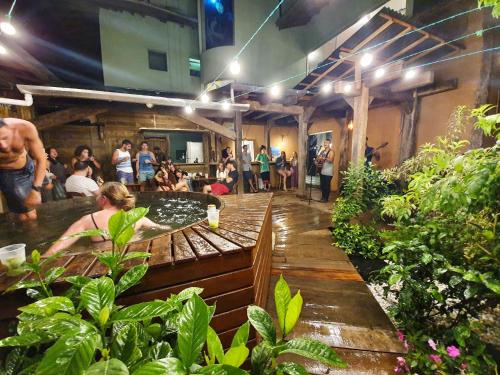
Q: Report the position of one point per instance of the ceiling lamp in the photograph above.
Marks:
(275, 91)
(3, 50)
(312, 55)
(235, 67)
(379, 73)
(205, 98)
(347, 88)
(364, 20)
(7, 28)
(326, 88)
(350, 126)
(410, 74)
(188, 109)
(149, 105)
(366, 60)
(226, 105)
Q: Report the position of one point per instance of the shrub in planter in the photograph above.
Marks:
(86, 332)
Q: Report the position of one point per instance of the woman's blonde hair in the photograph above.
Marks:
(118, 195)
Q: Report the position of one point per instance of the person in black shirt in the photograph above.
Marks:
(369, 152)
(227, 184)
(55, 166)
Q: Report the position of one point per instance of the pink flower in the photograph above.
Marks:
(401, 361)
(453, 351)
(401, 336)
(431, 343)
(435, 358)
(464, 366)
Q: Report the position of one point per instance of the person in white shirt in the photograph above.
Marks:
(78, 182)
(121, 158)
(221, 172)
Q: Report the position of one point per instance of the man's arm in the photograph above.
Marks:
(114, 158)
(36, 150)
(64, 242)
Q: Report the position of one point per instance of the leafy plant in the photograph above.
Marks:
(87, 332)
(495, 4)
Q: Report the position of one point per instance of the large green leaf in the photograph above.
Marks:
(282, 297)
(70, 355)
(49, 306)
(135, 255)
(121, 221)
(124, 237)
(241, 335)
(187, 293)
(314, 350)
(97, 295)
(291, 368)
(124, 346)
(78, 280)
(26, 339)
(236, 356)
(261, 356)
(131, 278)
(23, 284)
(193, 328)
(221, 370)
(112, 367)
(160, 350)
(166, 366)
(13, 361)
(142, 311)
(57, 325)
(214, 346)
(53, 274)
(262, 322)
(293, 312)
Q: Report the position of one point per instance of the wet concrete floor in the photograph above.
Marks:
(338, 307)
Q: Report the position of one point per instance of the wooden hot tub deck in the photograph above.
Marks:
(232, 264)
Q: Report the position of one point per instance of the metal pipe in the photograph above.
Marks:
(27, 102)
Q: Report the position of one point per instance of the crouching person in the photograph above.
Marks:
(227, 184)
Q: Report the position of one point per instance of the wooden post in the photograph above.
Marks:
(302, 154)
(408, 131)
(239, 153)
(360, 122)
(267, 134)
(344, 146)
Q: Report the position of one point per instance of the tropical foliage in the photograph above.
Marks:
(443, 252)
(86, 332)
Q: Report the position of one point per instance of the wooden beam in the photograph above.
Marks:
(393, 71)
(267, 134)
(261, 115)
(209, 124)
(54, 119)
(408, 128)
(303, 120)
(355, 49)
(360, 107)
(239, 153)
(275, 108)
(421, 80)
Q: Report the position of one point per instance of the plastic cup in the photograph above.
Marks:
(206, 175)
(213, 218)
(13, 257)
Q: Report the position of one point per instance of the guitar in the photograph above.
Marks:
(320, 160)
(374, 152)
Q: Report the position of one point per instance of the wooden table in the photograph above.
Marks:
(132, 188)
(199, 182)
(232, 264)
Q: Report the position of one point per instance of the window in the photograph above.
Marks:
(158, 60)
(194, 67)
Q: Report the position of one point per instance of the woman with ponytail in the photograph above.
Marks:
(112, 197)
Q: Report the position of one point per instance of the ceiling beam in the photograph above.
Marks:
(261, 115)
(422, 79)
(209, 124)
(65, 116)
(275, 108)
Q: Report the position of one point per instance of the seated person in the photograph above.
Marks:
(221, 172)
(281, 166)
(226, 186)
(182, 183)
(165, 178)
(79, 182)
(111, 197)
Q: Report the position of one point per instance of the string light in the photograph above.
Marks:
(3, 50)
(366, 60)
(6, 26)
(149, 105)
(350, 126)
(188, 109)
(205, 98)
(326, 88)
(364, 20)
(234, 67)
(379, 73)
(275, 91)
(410, 74)
(312, 55)
(347, 88)
(225, 105)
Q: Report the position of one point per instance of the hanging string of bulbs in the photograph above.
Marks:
(7, 28)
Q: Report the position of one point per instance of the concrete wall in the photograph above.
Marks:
(126, 39)
(278, 54)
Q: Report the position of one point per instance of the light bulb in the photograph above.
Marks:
(366, 60)
(188, 109)
(226, 105)
(235, 67)
(275, 91)
(350, 126)
(7, 28)
(312, 55)
(149, 105)
(364, 20)
(3, 50)
(348, 88)
(410, 74)
(205, 98)
(326, 88)
(379, 73)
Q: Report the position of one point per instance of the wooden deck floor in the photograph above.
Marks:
(338, 307)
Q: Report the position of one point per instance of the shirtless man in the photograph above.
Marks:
(22, 166)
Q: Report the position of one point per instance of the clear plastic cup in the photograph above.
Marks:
(13, 257)
(213, 218)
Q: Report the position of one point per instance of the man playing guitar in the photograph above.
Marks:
(324, 165)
